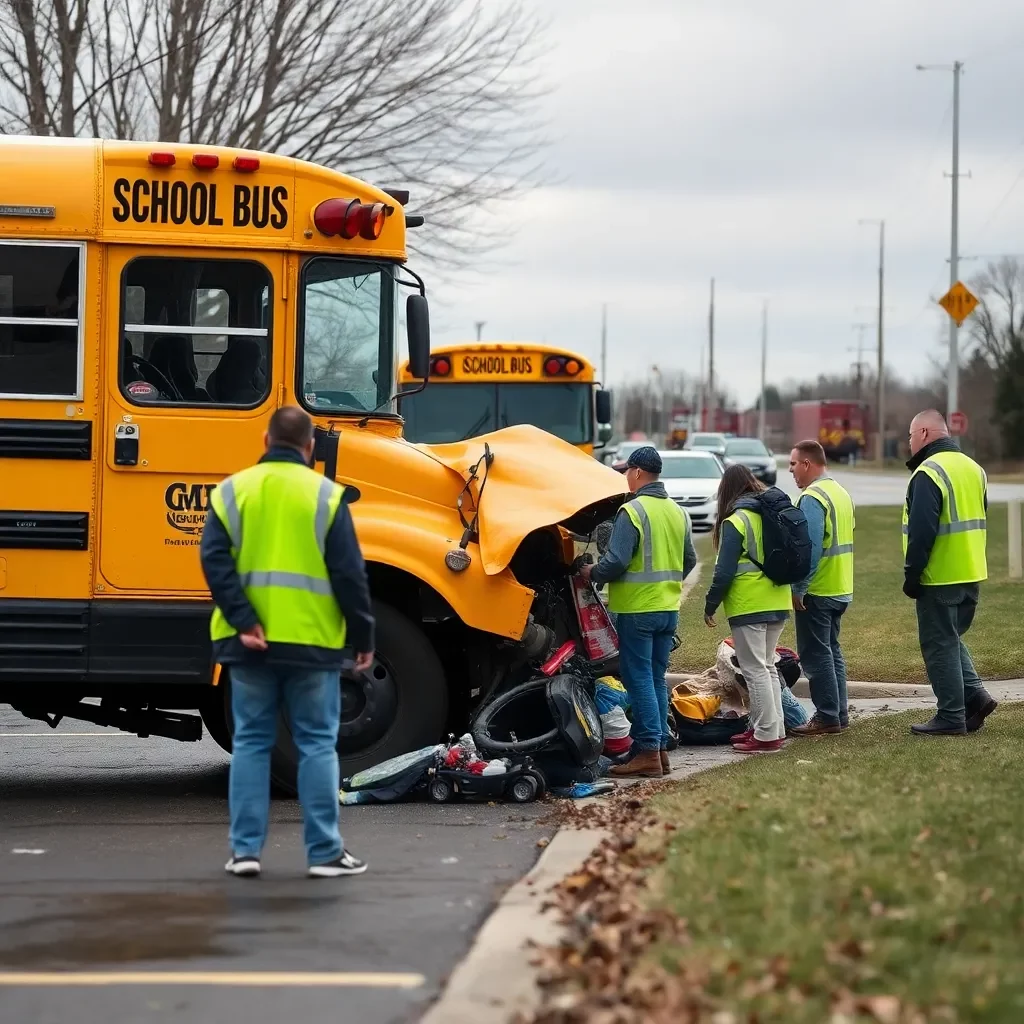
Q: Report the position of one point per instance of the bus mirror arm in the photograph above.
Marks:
(417, 318)
(325, 449)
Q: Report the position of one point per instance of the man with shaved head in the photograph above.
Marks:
(944, 530)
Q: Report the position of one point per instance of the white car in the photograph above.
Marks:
(691, 479)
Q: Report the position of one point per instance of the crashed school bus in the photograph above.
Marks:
(157, 304)
(477, 388)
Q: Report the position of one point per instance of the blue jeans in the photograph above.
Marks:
(312, 699)
(645, 642)
(821, 657)
(944, 615)
(793, 713)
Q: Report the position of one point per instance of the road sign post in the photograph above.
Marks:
(958, 423)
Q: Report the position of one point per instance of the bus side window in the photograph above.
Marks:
(195, 332)
(40, 319)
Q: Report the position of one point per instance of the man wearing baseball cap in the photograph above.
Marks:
(649, 554)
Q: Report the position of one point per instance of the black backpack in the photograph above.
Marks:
(785, 542)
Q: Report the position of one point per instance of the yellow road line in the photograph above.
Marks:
(263, 979)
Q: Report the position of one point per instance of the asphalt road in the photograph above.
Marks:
(886, 488)
(111, 860)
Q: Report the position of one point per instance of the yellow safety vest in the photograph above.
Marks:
(278, 515)
(751, 591)
(958, 555)
(834, 575)
(653, 580)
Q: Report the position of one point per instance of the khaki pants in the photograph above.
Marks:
(755, 651)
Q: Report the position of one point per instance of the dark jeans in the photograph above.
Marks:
(944, 614)
(821, 657)
(645, 642)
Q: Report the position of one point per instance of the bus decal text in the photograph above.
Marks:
(146, 201)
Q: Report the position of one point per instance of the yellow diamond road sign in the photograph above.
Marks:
(959, 302)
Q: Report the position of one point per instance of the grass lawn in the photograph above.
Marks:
(880, 629)
(872, 862)
(1004, 473)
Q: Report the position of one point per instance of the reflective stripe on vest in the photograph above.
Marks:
(278, 516)
(834, 574)
(958, 554)
(653, 580)
(751, 591)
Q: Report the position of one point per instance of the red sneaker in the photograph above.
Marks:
(753, 746)
(742, 737)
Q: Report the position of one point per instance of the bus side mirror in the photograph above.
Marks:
(417, 319)
(603, 406)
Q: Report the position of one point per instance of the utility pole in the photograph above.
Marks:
(479, 324)
(880, 387)
(764, 367)
(710, 425)
(953, 377)
(860, 329)
(701, 393)
(604, 346)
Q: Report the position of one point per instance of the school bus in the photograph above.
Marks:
(476, 388)
(157, 303)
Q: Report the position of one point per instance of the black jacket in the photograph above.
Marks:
(924, 505)
(347, 573)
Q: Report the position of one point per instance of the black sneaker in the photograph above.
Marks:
(243, 867)
(346, 864)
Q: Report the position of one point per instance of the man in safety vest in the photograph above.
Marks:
(286, 574)
(944, 532)
(649, 554)
(820, 600)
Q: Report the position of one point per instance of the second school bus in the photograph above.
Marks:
(477, 388)
(157, 304)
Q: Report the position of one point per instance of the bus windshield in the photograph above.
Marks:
(347, 336)
(444, 413)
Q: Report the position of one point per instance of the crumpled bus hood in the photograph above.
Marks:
(536, 480)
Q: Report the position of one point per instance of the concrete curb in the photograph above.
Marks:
(854, 689)
(495, 979)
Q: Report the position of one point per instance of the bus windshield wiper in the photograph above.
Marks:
(476, 426)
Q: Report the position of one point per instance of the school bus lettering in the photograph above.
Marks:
(145, 201)
(253, 206)
(497, 364)
(187, 506)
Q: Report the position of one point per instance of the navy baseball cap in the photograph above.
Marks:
(646, 458)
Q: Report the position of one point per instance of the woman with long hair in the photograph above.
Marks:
(756, 607)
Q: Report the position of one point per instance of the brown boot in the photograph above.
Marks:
(815, 727)
(665, 766)
(645, 764)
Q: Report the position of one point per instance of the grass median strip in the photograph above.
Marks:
(879, 632)
(874, 862)
(871, 876)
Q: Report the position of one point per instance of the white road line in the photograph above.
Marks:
(242, 979)
(16, 734)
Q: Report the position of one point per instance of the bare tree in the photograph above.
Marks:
(439, 96)
(997, 326)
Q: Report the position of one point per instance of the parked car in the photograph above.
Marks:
(691, 479)
(750, 452)
(707, 443)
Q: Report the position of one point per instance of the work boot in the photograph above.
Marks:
(644, 764)
(979, 710)
(817, 726)
(666, 767)
(938, 727)
(756, 746)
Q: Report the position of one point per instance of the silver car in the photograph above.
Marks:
(691, 479)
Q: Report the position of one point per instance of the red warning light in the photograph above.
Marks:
(161, 159)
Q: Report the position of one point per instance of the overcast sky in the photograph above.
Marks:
(744, 140)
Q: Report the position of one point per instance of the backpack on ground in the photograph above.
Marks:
(785, 542)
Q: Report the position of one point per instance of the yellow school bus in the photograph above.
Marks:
(157, 303)
(476, 388)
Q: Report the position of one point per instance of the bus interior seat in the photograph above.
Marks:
(236, 378)
(172, 356)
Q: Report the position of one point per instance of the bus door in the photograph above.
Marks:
(195, 346)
